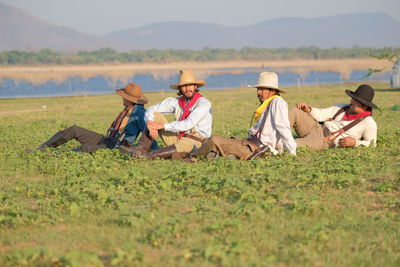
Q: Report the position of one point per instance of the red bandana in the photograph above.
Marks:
(186, 107)
(351, 117)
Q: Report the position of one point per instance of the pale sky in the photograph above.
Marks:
(105, 16)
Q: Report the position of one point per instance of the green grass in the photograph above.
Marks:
(328, 208)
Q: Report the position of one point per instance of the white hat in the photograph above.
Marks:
(268, 80)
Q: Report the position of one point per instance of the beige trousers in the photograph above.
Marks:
(169, 138)
(224, 146)
(309, 131)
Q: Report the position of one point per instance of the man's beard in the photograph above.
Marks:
(189, 97)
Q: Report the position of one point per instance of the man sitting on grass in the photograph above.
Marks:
(342, 125)
(124, 130)
(270, 134)
(193, 122)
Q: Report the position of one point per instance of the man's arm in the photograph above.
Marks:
(368, 138)
(131, 132)
(134, 127)
(153, 128)
(369, 134)
(167, 106)
(324, 114)
(317, 113)
(304, 106)
(279, 112)
(198, 113)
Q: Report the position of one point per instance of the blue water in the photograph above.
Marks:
(104, 85)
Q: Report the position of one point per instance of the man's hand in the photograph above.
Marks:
(153, 128)
(304, 106)
(347, 142)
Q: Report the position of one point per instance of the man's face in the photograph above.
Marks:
(264, 93)
(357, 107)
(188, 90)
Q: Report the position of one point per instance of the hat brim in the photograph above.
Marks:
(137, 100)
(359, 99)
(267, 87)
(199, 83)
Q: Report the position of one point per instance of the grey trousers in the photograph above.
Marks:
(90, 140)
(309, 131)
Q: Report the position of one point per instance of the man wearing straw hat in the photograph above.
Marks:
(271, 133)
(342, 125)
(193, 121)
(124, 129)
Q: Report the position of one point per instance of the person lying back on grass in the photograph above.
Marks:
(123, 131)
(342, 125)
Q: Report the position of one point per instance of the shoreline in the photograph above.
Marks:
(60, 73)
(215, 90)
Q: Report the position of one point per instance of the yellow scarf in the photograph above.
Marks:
(260, 109)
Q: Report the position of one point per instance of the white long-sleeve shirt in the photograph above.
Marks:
(200, 118)
(276, 132)
(365, 132)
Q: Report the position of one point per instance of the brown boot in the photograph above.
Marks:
(260, 153)
(178, 155)
(143, 146)
(165, 152)
(55, 141)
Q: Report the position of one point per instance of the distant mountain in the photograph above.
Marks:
(347, 30)
(180, 35)
(21, 31)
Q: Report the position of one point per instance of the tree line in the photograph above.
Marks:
(47, 56)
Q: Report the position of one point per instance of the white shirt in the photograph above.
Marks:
(365, 132)
(276, 131)
(200, 118)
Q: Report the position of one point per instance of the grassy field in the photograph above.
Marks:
(329, 208)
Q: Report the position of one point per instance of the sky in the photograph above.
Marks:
(105, 16)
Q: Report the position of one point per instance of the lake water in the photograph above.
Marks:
(104, 85)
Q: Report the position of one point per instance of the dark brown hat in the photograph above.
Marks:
(133, 93)
(363, 94)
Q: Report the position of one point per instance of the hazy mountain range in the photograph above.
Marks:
(21, 31)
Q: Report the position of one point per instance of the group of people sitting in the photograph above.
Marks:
(189, 135)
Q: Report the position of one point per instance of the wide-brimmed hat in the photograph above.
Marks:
(187, 77)
(268, 80)
(363, 94)
(133, 93)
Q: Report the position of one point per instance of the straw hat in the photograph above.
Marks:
(133, 93)
(363, 94)
(268, 80)
(187, 77)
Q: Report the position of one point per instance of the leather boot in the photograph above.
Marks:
(260, 153)
(143, 146)
(55, 141)
(165, 152)
(179, 155)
